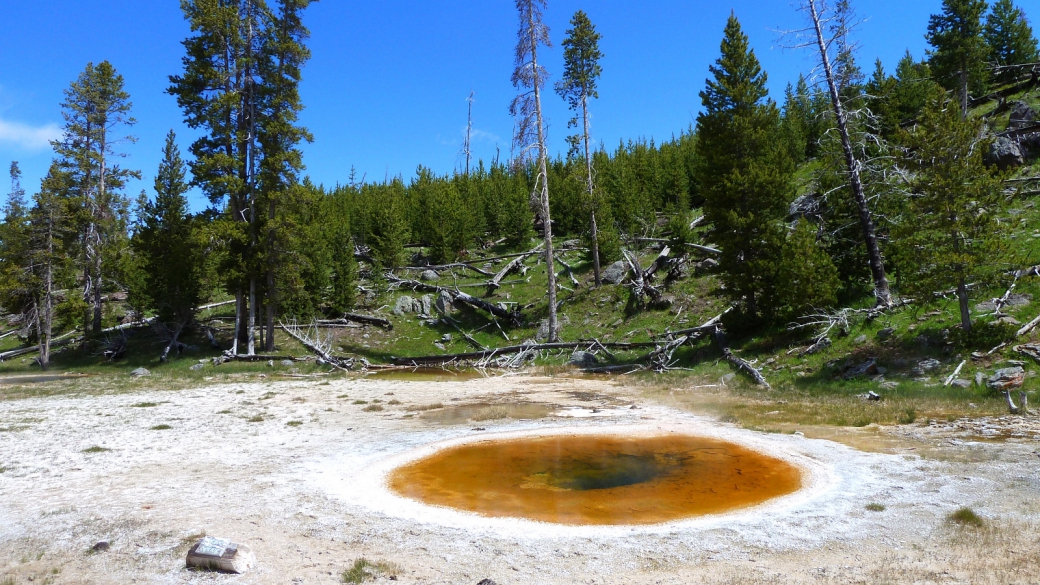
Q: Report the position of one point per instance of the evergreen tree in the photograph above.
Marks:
(746, 182)
(51, 237)
(581, 71)
(1009, 38)
(167, 247)
(950, 234)
(389, 227)
(958, 60)
(807, 278)
(16, 291)
(95, 108)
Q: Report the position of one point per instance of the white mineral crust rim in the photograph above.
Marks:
(369, 488)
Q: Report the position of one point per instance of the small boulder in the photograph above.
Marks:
(980, 379)
(929, 365)
(860, 340)
(487, 582)
(270, 363)
(439, 346)
(885, 333)
(287, 363)
(615, 273)
(197, 367)
(1005, 153)
(100, 547)
(446, 338)
(867, 368)
(1015, 300)
(663, 304)
(961, 383)
(1007, 378)
(583, 359)
(425, 305)
(443, 304)
(429, 275)
(705, 266)
(220, 554)
(404, 305)
(1022, 116)
(543, 331)
(140, 373)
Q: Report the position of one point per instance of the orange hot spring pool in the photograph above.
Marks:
(597, 479)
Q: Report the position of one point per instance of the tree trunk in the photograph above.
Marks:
(962, 296)
(964, 91)
(238, 322)
(173, 343)
(543, 183)
(877, 265)
(592, 202)
(269, 344)
(251, 334)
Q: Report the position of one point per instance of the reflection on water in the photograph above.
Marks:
(425, 375)
(597, 479)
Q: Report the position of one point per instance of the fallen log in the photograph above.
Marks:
(336, 362)
(741, 364)
(480, 271)
(662, 356)
(496, 282)
(953, 376)
(512, 316)
(364, 319)
(481, 355)
(705, 249)
(1028, 327)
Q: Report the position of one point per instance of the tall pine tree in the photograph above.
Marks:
(959, 54)
(581, 71)
(96, 107)
(745, 180)
(168, 248)
(1010, 39)
(949, 235)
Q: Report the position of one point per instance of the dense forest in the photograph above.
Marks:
(862, 186)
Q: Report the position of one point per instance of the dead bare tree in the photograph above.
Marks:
(840, 20)
(529, 78)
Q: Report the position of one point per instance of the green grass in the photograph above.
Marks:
(372, 408)
(875, 507)
(255, 418)
(966, 517)
(161, 428)
(145, 405)
(95, 449)
(360, 402)
(4, 469)
(365, 570)
(294, 423)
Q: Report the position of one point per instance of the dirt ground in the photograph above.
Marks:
(294, 468)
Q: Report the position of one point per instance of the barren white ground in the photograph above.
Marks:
(308, 500)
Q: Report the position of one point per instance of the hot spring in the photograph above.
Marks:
(597, 479)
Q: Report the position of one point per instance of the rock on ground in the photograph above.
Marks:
(403, 305)
(1007, 378)
(615, 273)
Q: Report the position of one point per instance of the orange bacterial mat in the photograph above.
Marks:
(597, 480)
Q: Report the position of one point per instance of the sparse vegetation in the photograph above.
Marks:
(255, 418)
(966, 517)
(875, 507)
(145, 405)
(95, 449)
(294, 423)
(365, 570)
(162, 427)
(490, 413)
(425, 407)
(373, 408)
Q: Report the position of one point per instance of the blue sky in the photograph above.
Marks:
(387, 85)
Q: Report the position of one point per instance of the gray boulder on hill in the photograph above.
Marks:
(615, 273)
(1022, 116)
(1006, 153)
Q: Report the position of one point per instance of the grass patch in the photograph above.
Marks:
(372, 408)
(144, 405)
(294, 423)
(425, 407)
(875, 507)
(225, 411)
(161, 428)
(268, 396)
(343, 396)
(95, 449)
(394, 402)
(255, 418)
(966, 517)
(4, 468)
(366, 570)
(491, 413)
(360, 402)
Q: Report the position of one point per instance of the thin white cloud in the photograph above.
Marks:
(28, 137)
(481, 135)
